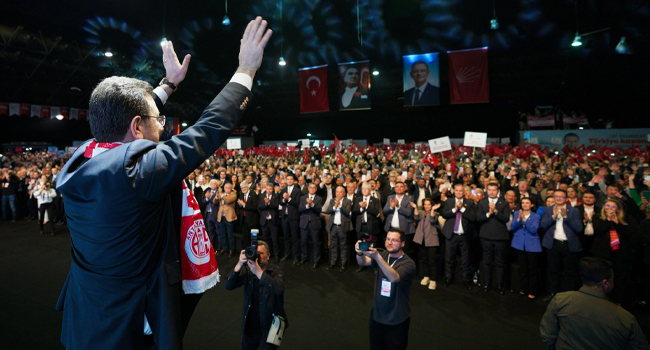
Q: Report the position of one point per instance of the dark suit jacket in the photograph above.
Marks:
(467, 217)
(125, 259)
(405, 212)
(493, 227)
(312, 213)
(252, 215)
(322, 192)
(271, 208)
(601, 243)
(572, 227)
(290, 206)
(210, 205)
(415, 193)
(373, 209)
(360, 99)
(429, 97)
(346, 215)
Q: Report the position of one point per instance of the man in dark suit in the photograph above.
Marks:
(420, 191)
(338, 225)
(289, 214)
(310, 208)
(126, 266)
(423, 94)
(493, 213)
(249, 216)
(354, 95)
(367, 209)
(268, 205)
(211, 210)
(587, 211)
(460, 214)
(561, 225)
(523, 191)
(399, 213)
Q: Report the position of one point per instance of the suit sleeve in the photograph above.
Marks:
(549, 327)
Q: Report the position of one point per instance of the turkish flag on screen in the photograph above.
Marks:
(468, 76)
(313, 90)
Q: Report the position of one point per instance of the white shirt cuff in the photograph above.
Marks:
(243, 79)
(162, 95)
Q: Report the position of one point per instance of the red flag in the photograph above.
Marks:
(339, 158)
(468, 76)
(306, 161)
(431, 160)
(453, 165)
(313, 90)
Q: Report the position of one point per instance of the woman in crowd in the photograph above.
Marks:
(426, 235)
(614, 241)
(572, 197)
(528, 246)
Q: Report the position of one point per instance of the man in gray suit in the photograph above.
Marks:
(493, 213)
(338, 225)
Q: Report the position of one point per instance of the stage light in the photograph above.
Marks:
(576, 41)
(581, 128)
(163, 41)
(108, 53)
(184, 124)
(226, 20)
(308, 134)
(375, 72)
(59, 117)
(282, 62)
(494, 24)
(623, 47)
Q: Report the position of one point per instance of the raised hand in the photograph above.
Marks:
(174, 70)
(251, 51)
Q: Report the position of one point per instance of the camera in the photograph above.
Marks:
(366, 242)
(251, 252)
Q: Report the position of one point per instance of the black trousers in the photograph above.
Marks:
(338, 240)
(269, 233)
(305, 234)
(560, 257)
(291, 235)
(428, 261)
(528, 272)
(453, 244)
(389, 337)
(494, 255)
(253, 339)
(46, 207)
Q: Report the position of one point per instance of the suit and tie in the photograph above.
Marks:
(494, 238)
(310, 225)
(367, 219)
(249, 215)
(338, 225)
(211, 222)
(456, 230)
(269, 220)
(428, 95)
(290, 215)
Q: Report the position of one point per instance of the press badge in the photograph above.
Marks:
(385, 287)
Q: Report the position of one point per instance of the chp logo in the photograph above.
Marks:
(197, 244)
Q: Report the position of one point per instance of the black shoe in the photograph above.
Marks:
(361, 268)
(285, 257)
(549, 297)
(314, 266)
(467, 284)
(447, 282)
(342, 268)
(295, 261)
(331, 267)
(486, 289)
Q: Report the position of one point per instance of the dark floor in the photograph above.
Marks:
(326, 310)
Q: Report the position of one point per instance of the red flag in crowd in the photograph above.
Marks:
(313, 90)
(430, 159)
(339, 158)
(306, 156)
(468, 76)
(453, 165)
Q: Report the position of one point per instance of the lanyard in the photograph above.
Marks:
(391, 265)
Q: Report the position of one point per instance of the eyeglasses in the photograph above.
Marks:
(394, 240)
(161, 119)
(610, 206)
(559, 197)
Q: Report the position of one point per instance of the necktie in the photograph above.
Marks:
(417, 96)
(457, 223)
(245, 198)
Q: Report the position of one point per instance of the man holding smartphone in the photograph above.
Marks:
(390, 316)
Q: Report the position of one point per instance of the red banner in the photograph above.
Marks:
(579, 120)
(82, 114)
(536, 122)
(239, 131)
(4, 109)
(45, 111)
(468, 76)
(313, 90)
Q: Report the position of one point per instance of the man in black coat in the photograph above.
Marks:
(310, 208)
(460, 214)
(250, 218)
(269, 222)
(493, 213)
(289, 214)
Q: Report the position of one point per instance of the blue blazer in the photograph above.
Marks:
(125, 261)
(526, 238)
(572, 227)
(404, 212)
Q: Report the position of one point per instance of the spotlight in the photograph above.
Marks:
(59, 117)
(108, 53)
(623, 47)
(163, 40)
(184, 124)
(308, 134)
(576, 41)
(282, 62)
(375, 72)
(581, 128)
(494, 24)
(226, 20)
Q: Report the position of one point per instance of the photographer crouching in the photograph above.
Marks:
(390, 317)
(263, 311)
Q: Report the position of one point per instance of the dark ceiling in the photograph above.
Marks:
(51, 54)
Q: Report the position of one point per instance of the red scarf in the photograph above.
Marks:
(199, 268)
